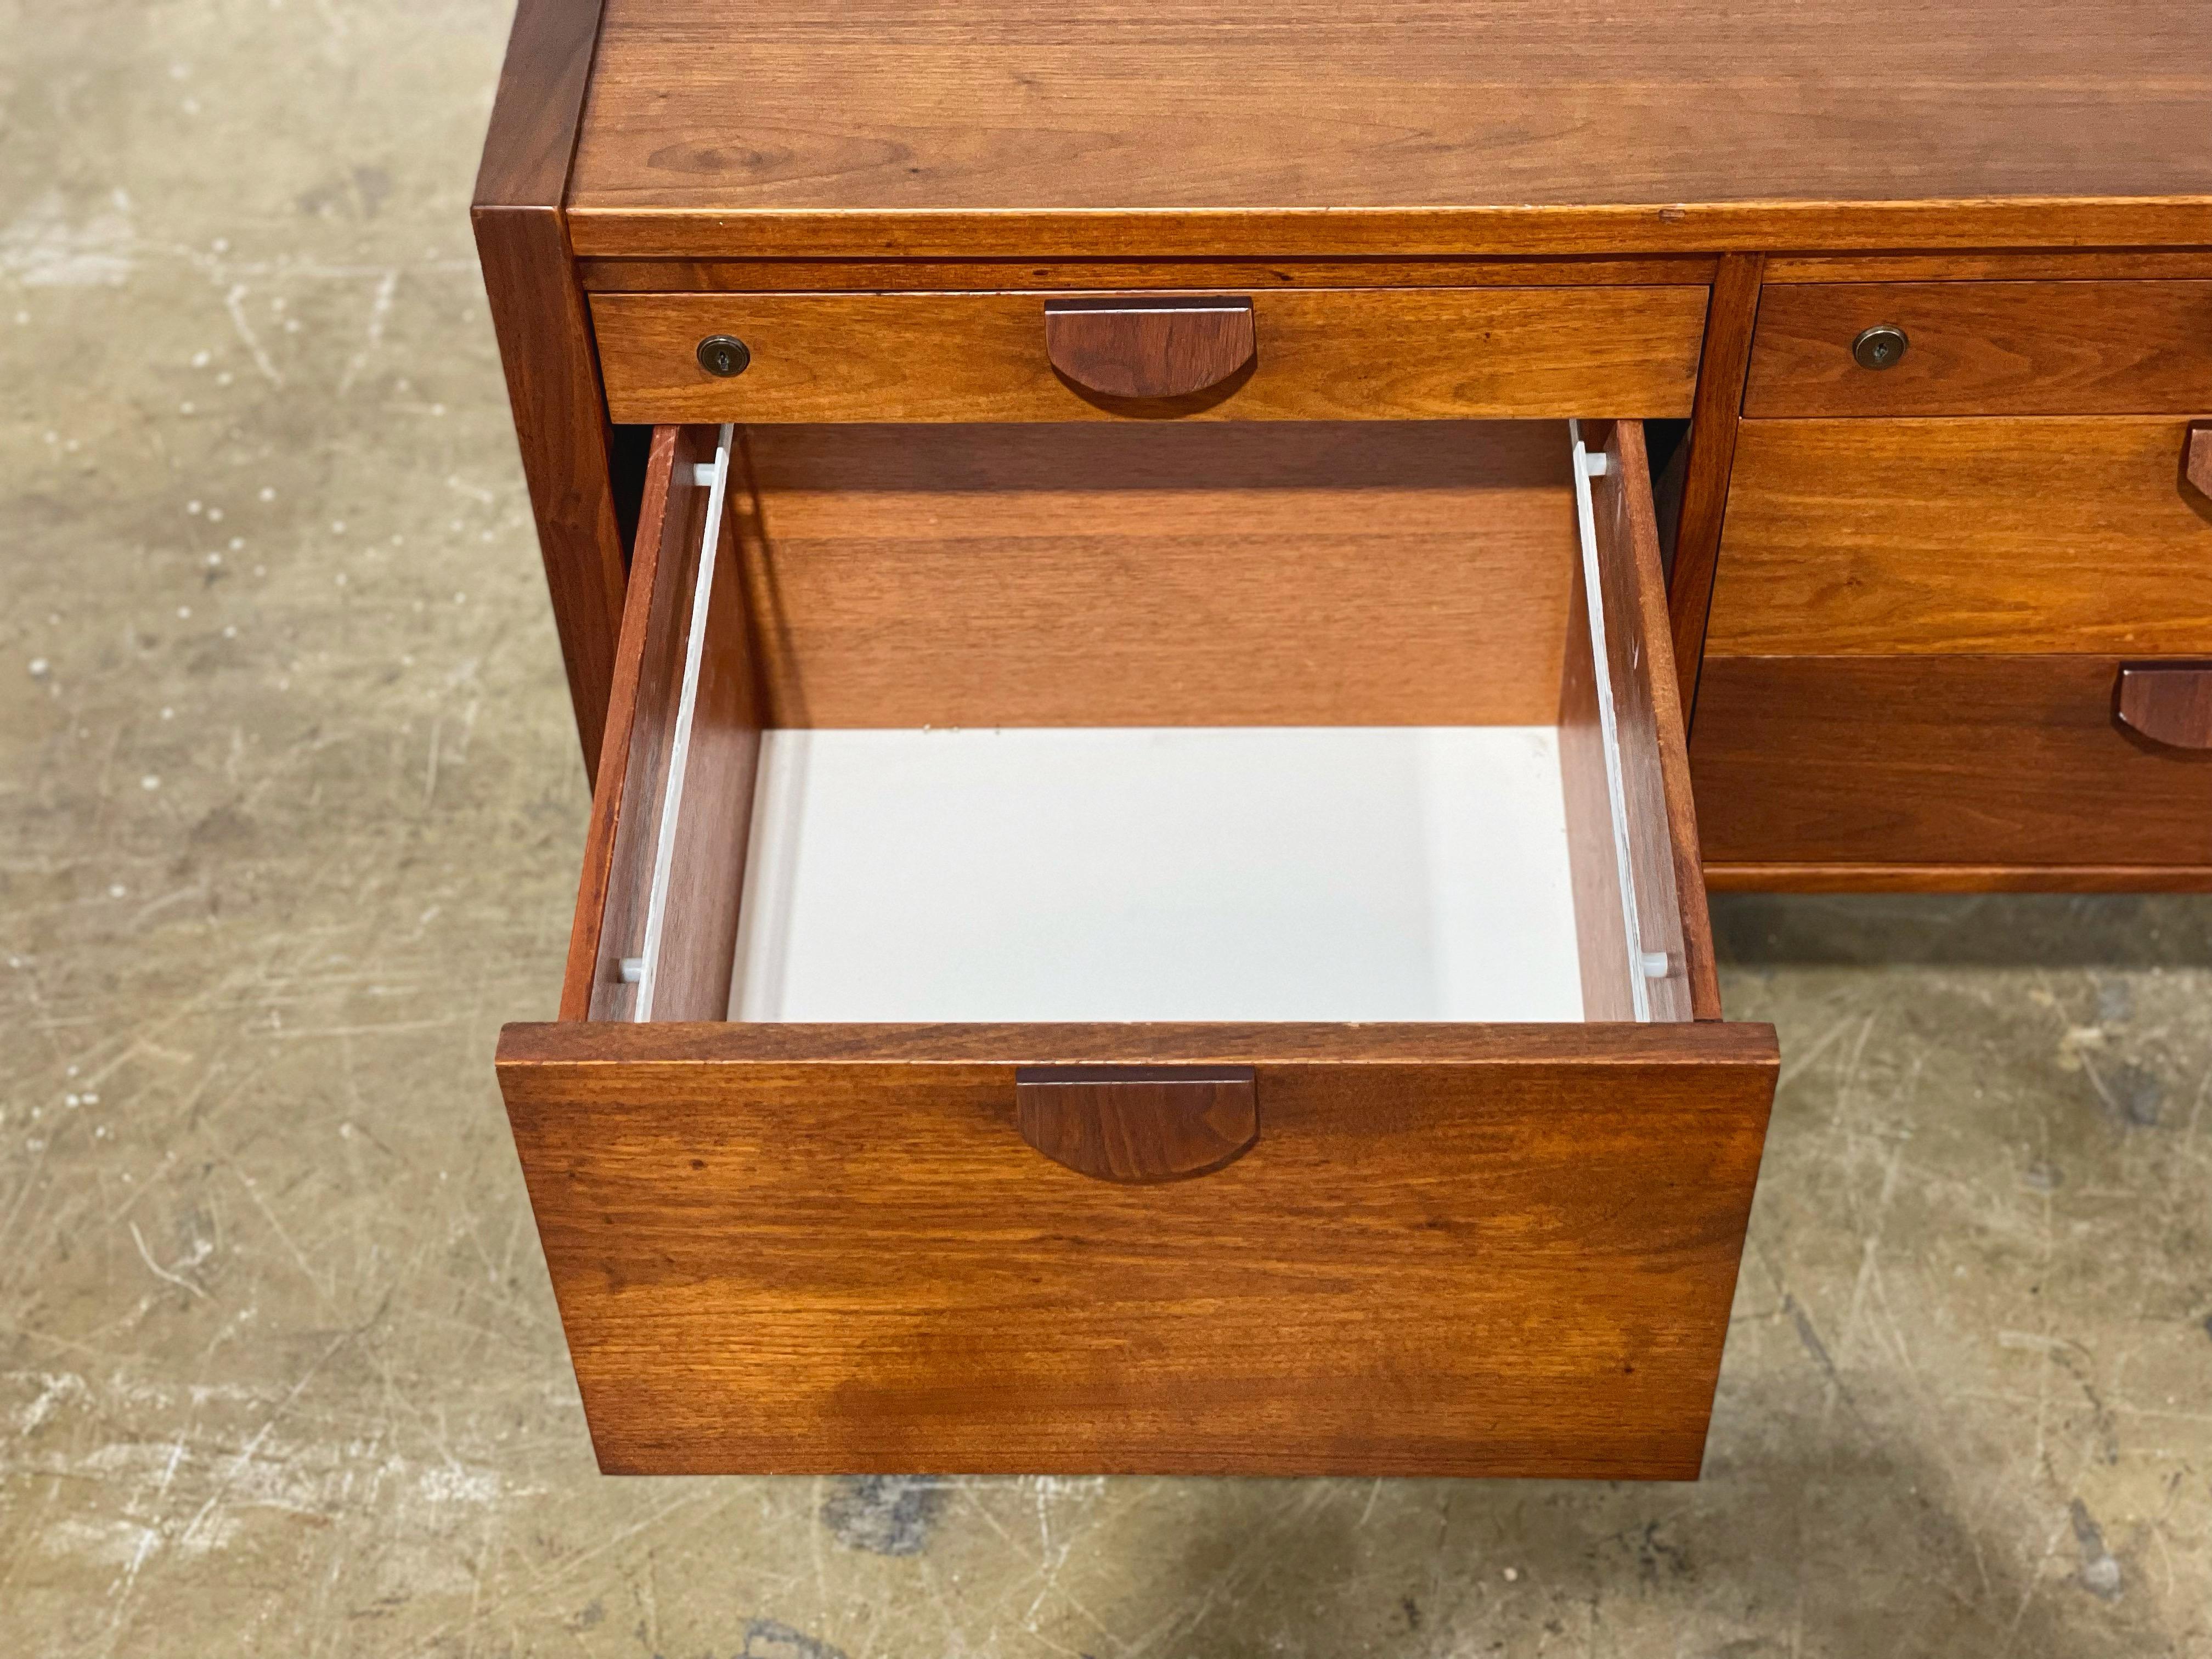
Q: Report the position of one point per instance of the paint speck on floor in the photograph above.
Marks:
(2099, 1574)
(884, 1515)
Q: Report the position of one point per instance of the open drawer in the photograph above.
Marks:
(1144, 949)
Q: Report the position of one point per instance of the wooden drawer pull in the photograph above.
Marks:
(2196, 458)
(1138, 1123)
(2168, 702)
(1163, 347)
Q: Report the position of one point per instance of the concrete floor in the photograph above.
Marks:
(289, 816)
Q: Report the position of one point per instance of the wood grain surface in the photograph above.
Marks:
(561, 426)
(853, 121)
(1611, 959)
(987, 275)
(1375, 574)
(2051, 265)
(1526, 231)
(793, 1249)
(628, 786)
(544, 335)
(707, 858)
(1714, 421)
(1322, 355)
(537, 108)
(1661, 815)
(706, 863)
(2000, 536)
(2078, 348)
(1662, 833)
(1920, 760)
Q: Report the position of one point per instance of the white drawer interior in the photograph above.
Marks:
(1160, 873)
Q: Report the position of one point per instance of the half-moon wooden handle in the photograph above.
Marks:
(2197, 457)
(1138, 1123)
(1159, 346)
(2168, 702)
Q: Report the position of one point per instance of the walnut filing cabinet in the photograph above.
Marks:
(1172, 608)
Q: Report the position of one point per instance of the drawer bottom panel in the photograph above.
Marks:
(2003, 763)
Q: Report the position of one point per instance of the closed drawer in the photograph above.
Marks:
(2079, 348)
(2023, 762)
(1318, 1073)
(1996, 536)
(1364, 354)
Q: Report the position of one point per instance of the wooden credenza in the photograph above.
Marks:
(1173, 610)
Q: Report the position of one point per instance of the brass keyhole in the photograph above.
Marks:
(724, 356)
(1882, 346)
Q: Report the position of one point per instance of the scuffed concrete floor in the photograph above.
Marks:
(289, 815)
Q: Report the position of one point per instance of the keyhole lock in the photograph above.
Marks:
(1882, 346)
(724, 356)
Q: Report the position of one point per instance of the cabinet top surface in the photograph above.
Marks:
(967, 107)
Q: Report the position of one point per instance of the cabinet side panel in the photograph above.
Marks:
(1662, 846)
(545, 345)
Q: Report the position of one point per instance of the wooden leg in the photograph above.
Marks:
(560, 419)
(545, 339)
(1713, 422)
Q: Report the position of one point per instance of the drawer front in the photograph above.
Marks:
(1313, 355)
(1996, 536)
(2063, 348)
(1451, 1250)
(1971, 760)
